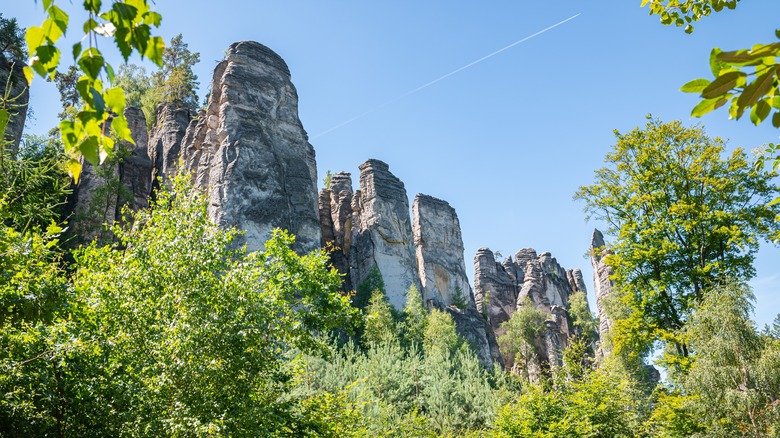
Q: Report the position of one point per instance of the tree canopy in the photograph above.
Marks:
(683, 216)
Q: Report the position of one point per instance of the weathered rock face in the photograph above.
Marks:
(439, 244)
(335, 207)
(249, 150)
(495, 288)
(502, 288)
(382, 232)
(472, 327)
(135, 171)
(166, 138)
(601, 282)
(103, 190)
(11, 74)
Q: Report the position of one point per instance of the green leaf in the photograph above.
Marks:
(688, 28)
(74, 169)
(90, 24)
(92, 5)
(715, 65)
(97, 102)
(91, 62)
(155, 49)
(119, 125)
(723, 84)
(152, 19)
(757, 89)
(695, 86)
(46, 4)
(48, 59)
(774, 202)
(28, 74)
(120, 38)
(708, 105)
(760, 112)
(776, 119)
(51, 31)
(34, 38)
(76, 51)
(60, 18)
(115, 99)
(89, 149)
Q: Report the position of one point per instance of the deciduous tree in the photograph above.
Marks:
(683, 217)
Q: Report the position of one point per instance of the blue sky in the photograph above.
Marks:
(507, 141)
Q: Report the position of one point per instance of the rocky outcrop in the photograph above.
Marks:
(382, 232)
(528, 279)
(335, 207)
(472, 327)
(135, 170)
(601, 282)
(249, 151)
(165, 140)
(439, 247)
(14, 85)
(103, 190)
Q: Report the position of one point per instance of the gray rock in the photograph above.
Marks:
(135, 171)
(601, 282)
(166, 138)
(382, 232)
(439, 244)
(495, 289)
(529, 280)
(11, 76)
(472, 327)
(248, 149)
(335, 208)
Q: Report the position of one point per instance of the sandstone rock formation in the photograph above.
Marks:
(530, 279)
(382, 232)
(249, 150)
(135, 171)
(439, 244)
(335, 206)
(12, 77)
(601, 282)
(165, 140)
(103, 190)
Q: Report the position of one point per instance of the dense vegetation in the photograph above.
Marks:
(166, 330)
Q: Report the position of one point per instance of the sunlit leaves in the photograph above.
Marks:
(129, 24)
(682, 216)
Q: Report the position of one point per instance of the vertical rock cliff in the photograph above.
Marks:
(165, 140)
(249, 150)
(135, 170)
(601, 282)
(123, 180)
(335, 207)
(439, 244)
(382, 232)
(530, 279)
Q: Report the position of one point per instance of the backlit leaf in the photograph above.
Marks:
(708, 105)
(695, 86)
(723, 84)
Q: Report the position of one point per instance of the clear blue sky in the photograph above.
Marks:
(506, 141)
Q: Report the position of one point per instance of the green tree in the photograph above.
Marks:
(683, 217)
(379, 325)
(175, 82)
(732, 388)
(11, 40)
(517, 341)
(414, 318)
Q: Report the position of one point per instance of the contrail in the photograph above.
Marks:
(421, 87)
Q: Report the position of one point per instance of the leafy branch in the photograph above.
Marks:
(129, 24)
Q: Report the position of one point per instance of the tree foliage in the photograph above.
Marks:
(518, 340)
(129, 24)
(12, 40)
(684, 217)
